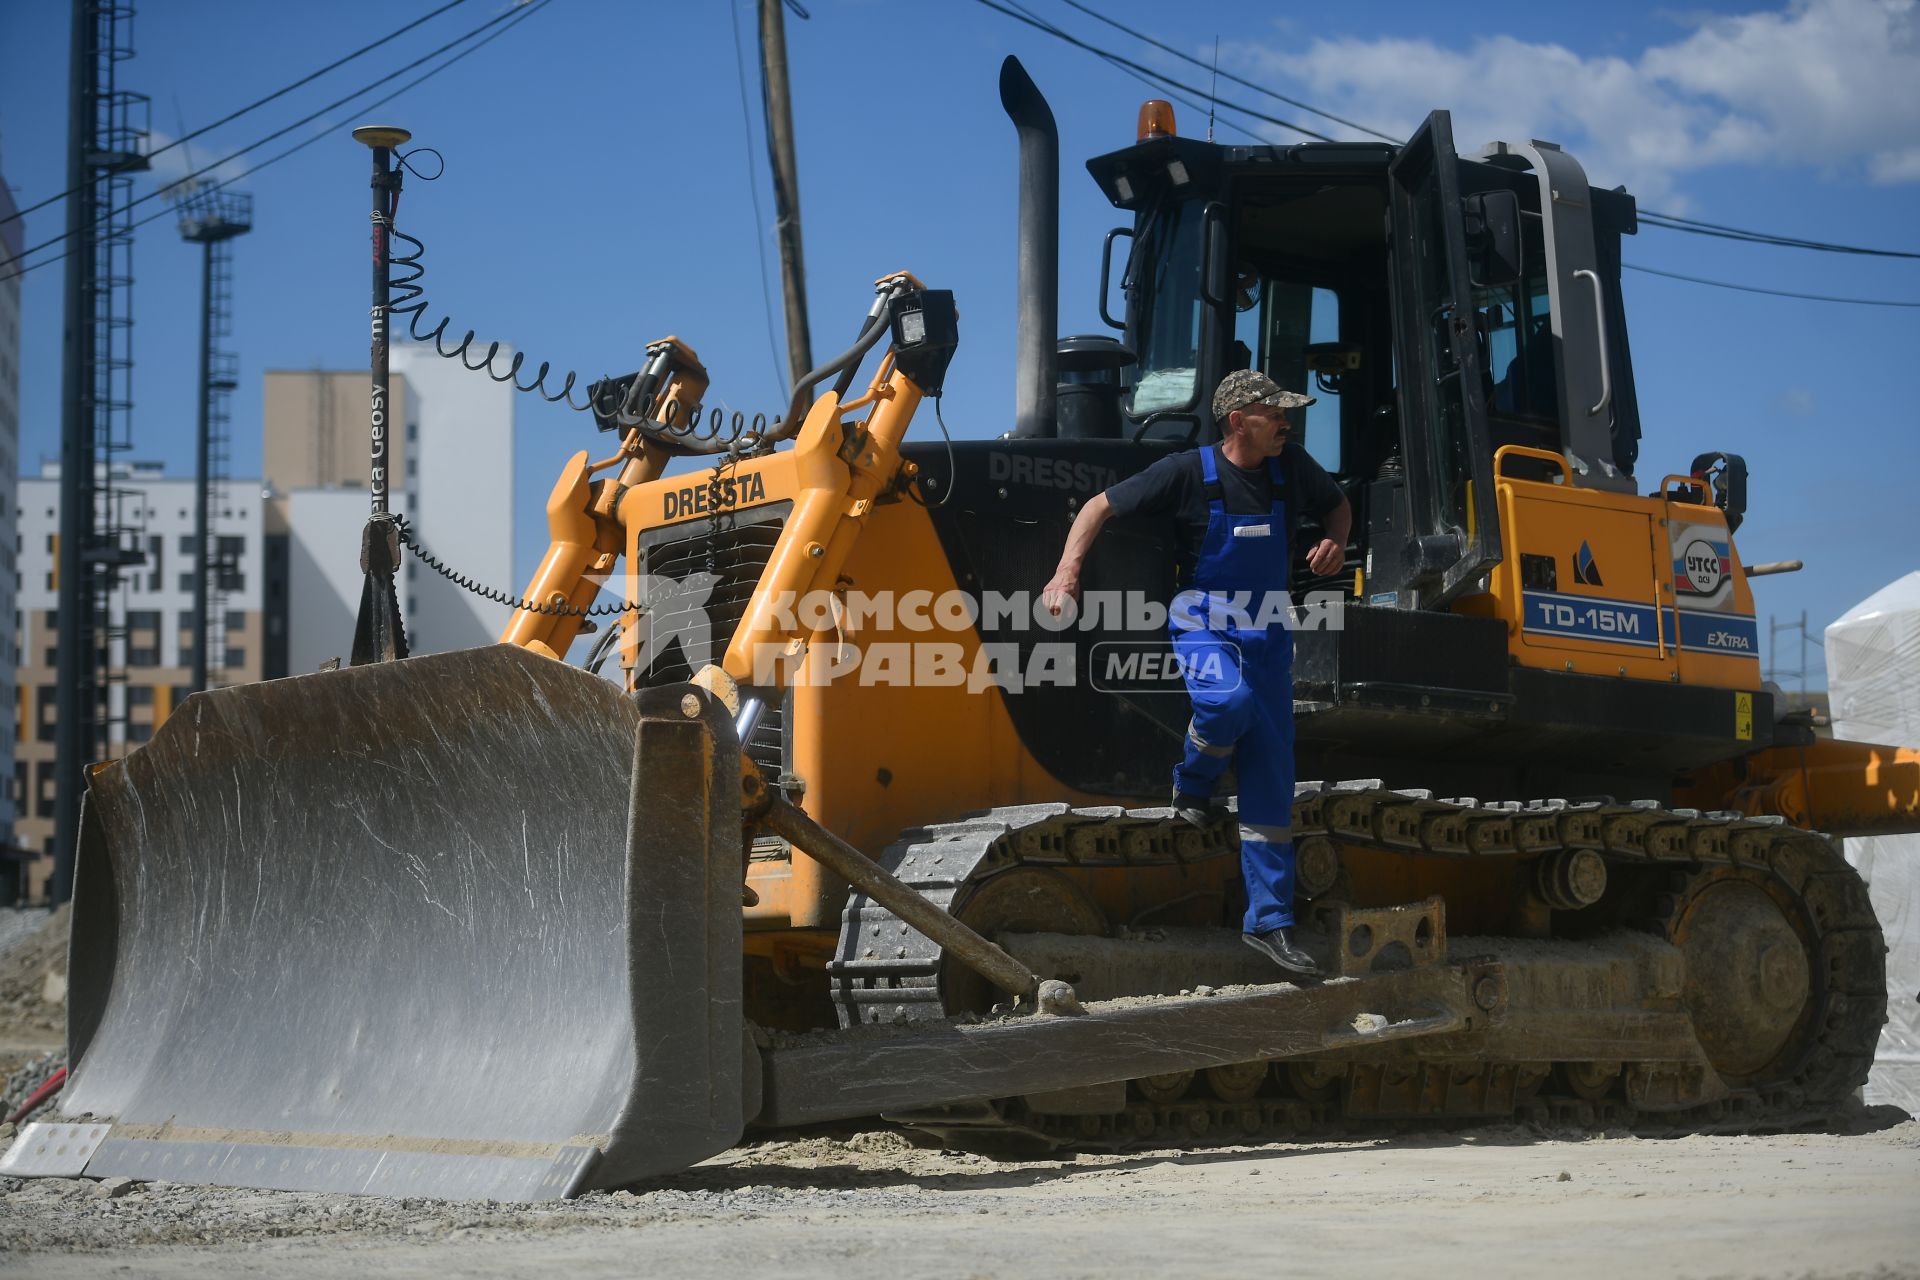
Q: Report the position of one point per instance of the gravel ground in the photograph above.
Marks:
(33, 981)
(17, 922)
(1489, 1202)
(1502, 1201)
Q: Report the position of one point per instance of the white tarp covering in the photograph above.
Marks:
(1873, 682)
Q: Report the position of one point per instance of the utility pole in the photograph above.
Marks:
(786, 186)
(211, 218)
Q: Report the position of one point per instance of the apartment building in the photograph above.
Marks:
(453, 463)
(151, 632)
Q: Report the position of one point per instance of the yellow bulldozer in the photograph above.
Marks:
(848, 827)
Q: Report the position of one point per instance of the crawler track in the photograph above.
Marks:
(1680, 875)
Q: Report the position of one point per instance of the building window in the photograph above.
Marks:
(143, 638)
(138, 733)
(49, 711)
(139, 695)
(236, 620)
(186, 582)
(186, 542)
(43, 789)
(156, 558)
(228, 553)
(235, 657)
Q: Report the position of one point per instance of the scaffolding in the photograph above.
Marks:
(107, 132)
(1777, 671)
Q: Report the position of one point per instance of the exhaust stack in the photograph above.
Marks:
(1035, 368)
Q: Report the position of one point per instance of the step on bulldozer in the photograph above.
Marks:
(834, 823)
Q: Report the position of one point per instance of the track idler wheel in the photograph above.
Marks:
(1749, 983)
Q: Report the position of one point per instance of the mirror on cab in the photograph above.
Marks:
(1493, 238)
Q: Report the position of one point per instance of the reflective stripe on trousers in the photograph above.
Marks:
(1240, 681)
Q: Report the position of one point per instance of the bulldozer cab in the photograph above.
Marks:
(1438, 306)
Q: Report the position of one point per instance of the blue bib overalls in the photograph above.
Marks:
(1239, 676)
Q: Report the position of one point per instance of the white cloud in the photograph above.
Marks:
(172, 166)
(1829, 83)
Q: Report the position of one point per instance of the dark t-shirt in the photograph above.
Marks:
(1175, 488)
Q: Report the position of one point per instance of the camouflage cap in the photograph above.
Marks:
(1245, 387)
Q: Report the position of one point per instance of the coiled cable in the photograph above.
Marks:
(716, 431)
(494, 594)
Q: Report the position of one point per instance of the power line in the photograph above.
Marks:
(255, 105)
(1120, 65)
(1671, 223)
(1777, 293)
(527, 10)
(1228, 75)
(1157, 76)
(1665, 221)
(279, 133)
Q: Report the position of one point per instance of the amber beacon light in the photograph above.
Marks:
(1156, 119)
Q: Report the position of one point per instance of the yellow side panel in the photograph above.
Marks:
(1617, 584)
(1606, 596)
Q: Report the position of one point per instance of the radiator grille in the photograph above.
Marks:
(735, 549)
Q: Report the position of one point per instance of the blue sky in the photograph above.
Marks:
(596, 196)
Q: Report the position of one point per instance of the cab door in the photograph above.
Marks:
(1454, 536)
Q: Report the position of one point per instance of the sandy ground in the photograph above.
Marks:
(1482, 1203)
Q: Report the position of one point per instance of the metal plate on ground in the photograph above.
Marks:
(49, 1150)
(356, 1170)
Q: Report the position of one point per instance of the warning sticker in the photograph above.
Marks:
(1743, 716)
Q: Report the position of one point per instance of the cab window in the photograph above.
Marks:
(1291, 332)
(1166, 279)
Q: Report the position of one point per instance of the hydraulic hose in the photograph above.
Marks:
(850, 358)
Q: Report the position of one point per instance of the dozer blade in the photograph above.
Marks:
(465, 925)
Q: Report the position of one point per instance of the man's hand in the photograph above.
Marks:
(1327, 558)
(1062, 590)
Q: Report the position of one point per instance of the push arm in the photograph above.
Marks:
(585, 534)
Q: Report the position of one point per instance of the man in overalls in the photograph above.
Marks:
(1233, 505)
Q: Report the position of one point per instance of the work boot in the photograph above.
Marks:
(1277, 946)
(1195, 811)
